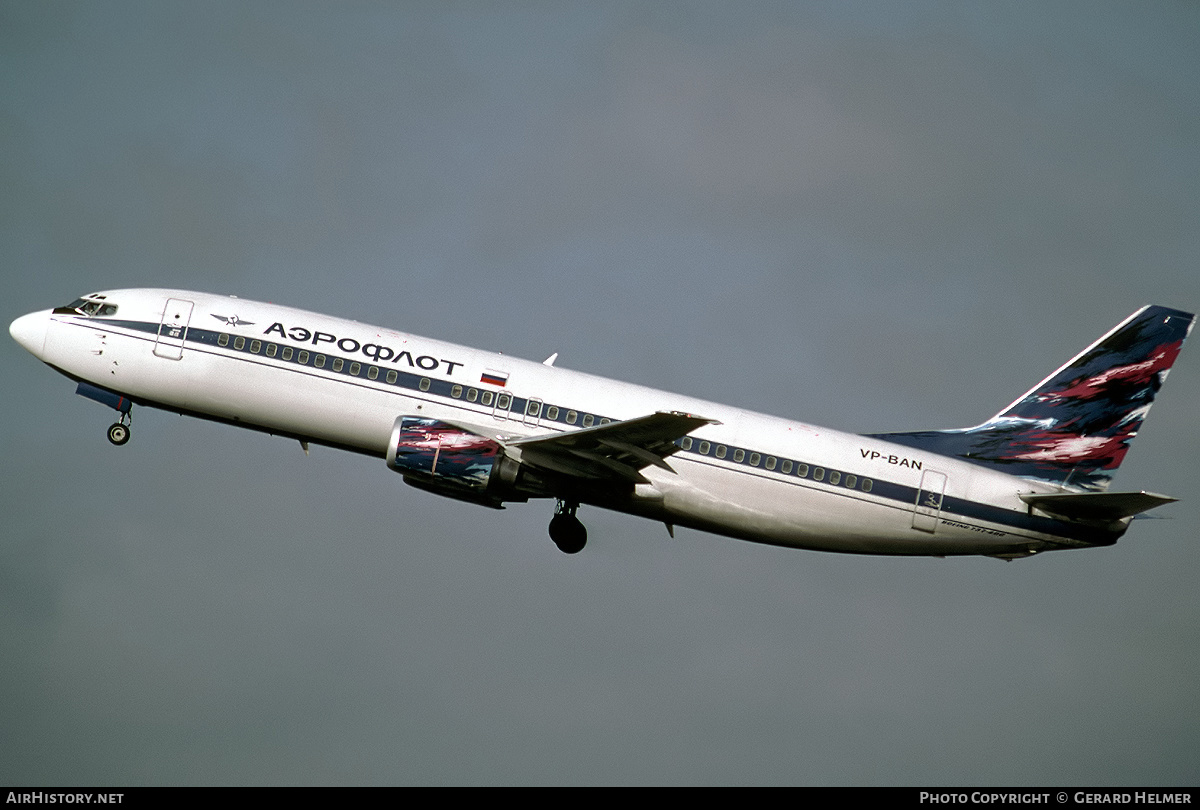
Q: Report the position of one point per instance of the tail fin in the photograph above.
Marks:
(1074, 427)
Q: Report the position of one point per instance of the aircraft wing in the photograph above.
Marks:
(616, 451)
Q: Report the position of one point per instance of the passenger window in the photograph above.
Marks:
(456, 392)
(391, 378)
(686, 444)
(739, 455)
(867, 484)
(754, 459)
(255, 346)
(720, 451)
(851, 481)
(571, 417)
(533, 408)
(272, 350)
(319, 362)
(472, 395)
(786, 467)
(287, 352)
(704, 448)
(604, 420)
(222, 340)
(424, 384)
(302, 358)
(239, 343)
(503, 401)
(355, 368)
(834, 477)
(373, 373)
(552, 413)
(588, 419)
(486, 399)
(770, 465)
(802, 470)
(337, 364)
(818, 473)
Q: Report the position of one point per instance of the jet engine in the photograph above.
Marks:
(448, 460)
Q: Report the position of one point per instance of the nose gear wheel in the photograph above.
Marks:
(118, 432)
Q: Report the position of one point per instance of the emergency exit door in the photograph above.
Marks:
(172, 330)
(928, 506)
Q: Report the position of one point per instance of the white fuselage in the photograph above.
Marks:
(749, 475)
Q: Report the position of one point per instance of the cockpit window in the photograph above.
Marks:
(93, 305)
(98, 308)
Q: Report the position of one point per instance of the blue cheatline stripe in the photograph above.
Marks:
(900, 493)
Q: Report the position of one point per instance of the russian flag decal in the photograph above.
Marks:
(491, 377)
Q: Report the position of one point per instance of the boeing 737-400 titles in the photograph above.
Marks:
(489, 429)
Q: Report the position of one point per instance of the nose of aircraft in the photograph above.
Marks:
(30, 331)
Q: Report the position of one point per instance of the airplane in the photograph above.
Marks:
(489, 429)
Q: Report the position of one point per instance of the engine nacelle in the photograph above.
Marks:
(447, 460)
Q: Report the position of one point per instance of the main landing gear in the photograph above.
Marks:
(118, 432)
(565, 529)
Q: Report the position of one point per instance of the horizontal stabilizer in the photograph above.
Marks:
(1096, 505)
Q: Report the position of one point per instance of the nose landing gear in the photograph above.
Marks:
(565, 529)
(118, 432)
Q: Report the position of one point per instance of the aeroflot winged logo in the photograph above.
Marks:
(233, 320)
(376, 351)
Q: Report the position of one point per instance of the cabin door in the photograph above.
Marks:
(533, 412)
(928, 506)
(503, 405)
(173, 329)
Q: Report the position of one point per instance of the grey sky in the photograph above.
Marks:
(856, 214)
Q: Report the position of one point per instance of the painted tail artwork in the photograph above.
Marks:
(1074, 428)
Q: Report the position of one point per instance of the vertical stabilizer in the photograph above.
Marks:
(1074, 427)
